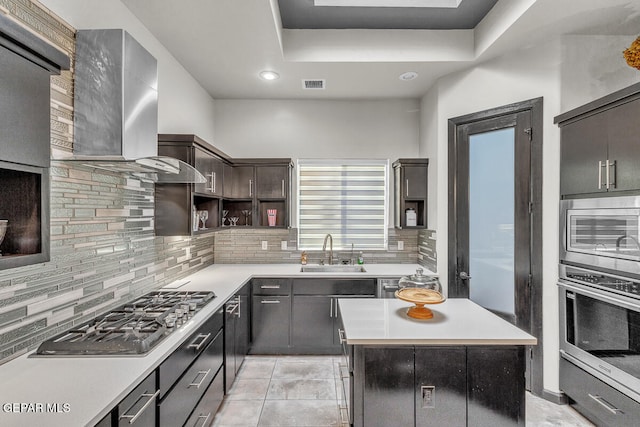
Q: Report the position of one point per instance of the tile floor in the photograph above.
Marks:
(306, 391)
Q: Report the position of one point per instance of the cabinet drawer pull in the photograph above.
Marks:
(270, 301)
(134, 417)
(204, 374)
(210, 175)
(250, 188)
(343, 338)
(213, 183)
(204, 419)
(331, 308)
(611, 183)
(283, 188)
(600, 166)
(407, 187)
(270, 287)
(608, 406)
(198, 345)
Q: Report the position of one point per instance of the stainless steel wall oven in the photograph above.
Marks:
(600, 329)
(599, 288)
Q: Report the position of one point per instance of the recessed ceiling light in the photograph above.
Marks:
(409, 75)
(269, 75)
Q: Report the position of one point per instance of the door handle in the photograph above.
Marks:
(464, 275)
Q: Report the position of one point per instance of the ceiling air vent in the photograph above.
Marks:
(313, 84)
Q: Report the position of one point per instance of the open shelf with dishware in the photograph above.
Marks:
(236, 213)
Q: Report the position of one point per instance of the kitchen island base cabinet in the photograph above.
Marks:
(438, 386)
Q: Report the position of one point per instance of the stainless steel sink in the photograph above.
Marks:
(333, 269)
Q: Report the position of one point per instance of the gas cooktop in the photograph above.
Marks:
(131, 329)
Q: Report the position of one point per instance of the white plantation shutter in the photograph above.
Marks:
(345, 198)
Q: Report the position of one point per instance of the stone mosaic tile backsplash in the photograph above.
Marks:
(238, 245)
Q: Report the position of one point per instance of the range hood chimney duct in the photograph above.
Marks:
(116, 109)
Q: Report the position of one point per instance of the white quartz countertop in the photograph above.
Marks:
(81, 390)
(456, 321)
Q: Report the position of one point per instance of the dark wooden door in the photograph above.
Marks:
(495, 218)
(272, 182)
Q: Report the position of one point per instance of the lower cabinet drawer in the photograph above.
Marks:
(600, 402)
(180, 401)
(203, 415)
(138, 408)
(171, 369)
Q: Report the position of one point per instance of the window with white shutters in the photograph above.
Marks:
(344, 198)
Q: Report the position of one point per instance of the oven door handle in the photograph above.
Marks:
(603, 296)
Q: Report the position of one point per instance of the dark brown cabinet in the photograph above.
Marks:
(272, 182)
(236, 334)
(243, 189)
(210, 166)
(239, 182)
(599, 145)
(438, 385)
(410, 192)
(26, 64)
(175, 203)
(139, 407)
(259, 187)
(314, 312)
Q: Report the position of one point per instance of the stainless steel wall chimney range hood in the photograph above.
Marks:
(116, 108)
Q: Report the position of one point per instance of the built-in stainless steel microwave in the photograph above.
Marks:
(601, 233)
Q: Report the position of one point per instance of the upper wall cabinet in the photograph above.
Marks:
(240, 192)
(26, 64)
(599, 145)
(186, 209)
(410, 192)
(258, 192)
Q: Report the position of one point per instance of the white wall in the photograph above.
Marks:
(385, 129)
(523, 75)
(594, 66)
(318, 129)
(183, 105)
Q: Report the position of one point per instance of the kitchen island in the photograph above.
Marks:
(465, 366)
